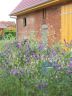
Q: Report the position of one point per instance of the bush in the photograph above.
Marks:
(9, 33)
(28, 70)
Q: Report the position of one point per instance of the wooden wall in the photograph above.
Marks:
(66, 22)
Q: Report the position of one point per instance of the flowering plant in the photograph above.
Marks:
(38, 70)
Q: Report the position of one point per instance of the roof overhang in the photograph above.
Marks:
(46, 4)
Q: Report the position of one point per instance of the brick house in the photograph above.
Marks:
(44, 20)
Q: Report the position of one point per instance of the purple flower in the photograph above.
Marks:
(35, 56)
(14, 71)
(27, 59)
(41, 46)
(70, 64)
(19, 45)
(54, 52)
(71, 59)
(41, 86)
(69, 71)
(57, 66)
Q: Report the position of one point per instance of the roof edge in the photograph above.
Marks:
(50, 3)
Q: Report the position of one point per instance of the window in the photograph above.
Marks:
(44, 16)
(24, 21)
(44, 13)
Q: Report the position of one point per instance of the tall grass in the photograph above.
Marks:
(4, 42)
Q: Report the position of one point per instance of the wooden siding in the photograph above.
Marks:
(66, 22)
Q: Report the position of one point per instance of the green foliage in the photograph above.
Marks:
(1, 37)
(8, 34)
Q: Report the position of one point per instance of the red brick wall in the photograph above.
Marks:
(35, 21)
(54, 24)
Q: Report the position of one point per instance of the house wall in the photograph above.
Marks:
(51, 25)
(54, 24)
